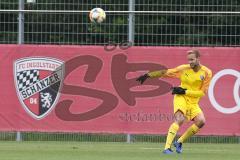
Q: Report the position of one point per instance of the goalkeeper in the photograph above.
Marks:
(195, 79)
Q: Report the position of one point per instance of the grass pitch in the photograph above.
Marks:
(113, 151)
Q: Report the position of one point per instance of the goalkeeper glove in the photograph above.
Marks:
(143, 78)
(178, 90)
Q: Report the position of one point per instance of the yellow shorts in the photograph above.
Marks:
(190, 110)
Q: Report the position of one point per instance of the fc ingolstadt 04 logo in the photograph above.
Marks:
(38, 82)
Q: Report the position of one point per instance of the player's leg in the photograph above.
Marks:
(199, 121)
(179, 118)
(172, 131)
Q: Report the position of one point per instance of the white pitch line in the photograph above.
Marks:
(187, 149)
(150, 148)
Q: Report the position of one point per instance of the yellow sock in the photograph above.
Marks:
(171, 134)
(188, 133)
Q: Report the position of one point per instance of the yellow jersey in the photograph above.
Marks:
(196, 83)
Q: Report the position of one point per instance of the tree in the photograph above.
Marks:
(150, 29)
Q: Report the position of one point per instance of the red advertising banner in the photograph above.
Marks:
(92, 89)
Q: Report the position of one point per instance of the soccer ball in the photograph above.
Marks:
(97, 15)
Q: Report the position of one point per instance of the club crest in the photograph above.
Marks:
(38, 82)
(202, 77)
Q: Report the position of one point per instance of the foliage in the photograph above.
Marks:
(150, 29)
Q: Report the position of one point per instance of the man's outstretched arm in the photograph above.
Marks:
(154, 74)
(171, 73)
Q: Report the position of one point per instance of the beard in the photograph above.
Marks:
(194, 65)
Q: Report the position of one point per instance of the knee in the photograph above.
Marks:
(201, 122)
(179, 122)
(179, 118)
